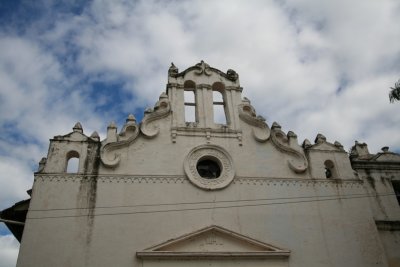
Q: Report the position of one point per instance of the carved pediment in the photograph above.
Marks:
(213, 241)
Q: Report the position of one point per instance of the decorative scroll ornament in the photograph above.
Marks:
(299, 164)
(232, 75)
(211, 153)
(260, 129)
(203, 68)
(128, 134)
(161, 110)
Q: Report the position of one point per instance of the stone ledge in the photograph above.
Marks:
(377, 165)
(208, 255)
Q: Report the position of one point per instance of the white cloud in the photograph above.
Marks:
(15, 178)
(9, 247)
(36, 96)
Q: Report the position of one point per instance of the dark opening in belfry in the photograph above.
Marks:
(208, 169)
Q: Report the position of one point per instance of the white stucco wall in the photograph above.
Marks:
(132, 191)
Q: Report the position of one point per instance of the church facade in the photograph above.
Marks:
(203, 180)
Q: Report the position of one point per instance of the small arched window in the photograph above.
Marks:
(329, 169)
(72, 162)
(219, 103)
(190, 101)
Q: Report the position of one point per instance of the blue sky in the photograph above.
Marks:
(312, 66)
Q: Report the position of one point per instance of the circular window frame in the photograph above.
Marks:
(215, 153)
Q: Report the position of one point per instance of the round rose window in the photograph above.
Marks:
(209, 167)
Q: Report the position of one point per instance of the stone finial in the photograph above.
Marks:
(131, 119)
(292, 137)
(338, 144)
(261, 118)
(78, 128)
(232, 75)
(42, 163)
(112, 132)
(306, 143)
(95, 136)
(320, 139)
(173, 70)
(275, 125)
(385, 149)
(359, 150)
(291, 134)
(112, 125)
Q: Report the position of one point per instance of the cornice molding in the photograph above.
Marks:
(377, 165)
(180, 179)
(212, 255)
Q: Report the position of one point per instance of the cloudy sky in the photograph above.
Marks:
(313, 66)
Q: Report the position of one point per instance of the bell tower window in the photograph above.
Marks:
(330, 171)
(72, 162)
(219, 103)
(190, 101)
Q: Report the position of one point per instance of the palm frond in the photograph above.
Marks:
(394, 94)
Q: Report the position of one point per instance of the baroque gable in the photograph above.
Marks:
(166, 130)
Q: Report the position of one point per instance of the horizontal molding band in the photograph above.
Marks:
(207, 255)
(176, 179)
(375, 165)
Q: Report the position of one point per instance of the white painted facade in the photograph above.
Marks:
(139, 197)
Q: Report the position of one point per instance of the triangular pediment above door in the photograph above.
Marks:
(213, 241)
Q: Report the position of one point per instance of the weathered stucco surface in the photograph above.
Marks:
(140, 188)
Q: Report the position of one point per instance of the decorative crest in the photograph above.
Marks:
(203, 68)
